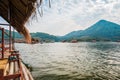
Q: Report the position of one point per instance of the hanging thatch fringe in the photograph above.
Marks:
(40, 12)
(50, 3)
(25, 32)
(22, 11)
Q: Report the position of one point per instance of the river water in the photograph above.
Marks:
(73, 61)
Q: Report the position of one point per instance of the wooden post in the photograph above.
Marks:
(1, 74)
(10, 44)
(9, 18)
(3, 43)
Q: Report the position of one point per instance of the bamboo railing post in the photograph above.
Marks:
(2, 43)
(9, 18)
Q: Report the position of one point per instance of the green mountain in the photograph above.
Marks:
(38, 35)
(44, 36)
(102, 30)
(71, 35)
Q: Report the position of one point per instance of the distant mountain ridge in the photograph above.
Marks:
(38, 35)
(101, 30)
(45, 36)
(71, 35)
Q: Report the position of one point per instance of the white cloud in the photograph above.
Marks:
(69, 15)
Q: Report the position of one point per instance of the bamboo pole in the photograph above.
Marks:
(31, 78)
(24, 72)
(11, 68)
(16, 67)
(2, 43)
(6, 71)
(9, 18)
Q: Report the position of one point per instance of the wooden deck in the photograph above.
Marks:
(12, 68)
(3, 63)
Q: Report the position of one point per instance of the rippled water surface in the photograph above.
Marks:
(73, 61)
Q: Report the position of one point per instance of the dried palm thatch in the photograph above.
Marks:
(19, 12)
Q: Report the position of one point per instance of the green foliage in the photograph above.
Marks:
(44, 36)
(101, 31)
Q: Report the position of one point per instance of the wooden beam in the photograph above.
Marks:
(1, 74)
(2, 1)
(4, 24)
(18, 16)
(4, 10)
(23, 3)
(3, 43)
(3, 5)
(13, 6)
(14, 76)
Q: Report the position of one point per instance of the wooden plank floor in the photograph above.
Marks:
(9, 72)
(3, 63)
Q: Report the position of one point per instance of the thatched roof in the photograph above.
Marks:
(20, 11)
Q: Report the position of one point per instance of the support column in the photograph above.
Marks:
(3, 43)
(1, 74)
(9, 18)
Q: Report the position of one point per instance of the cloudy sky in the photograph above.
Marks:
(65, 16)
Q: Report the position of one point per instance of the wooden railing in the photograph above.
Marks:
(12, 70)
(2, 45)
(15, 69)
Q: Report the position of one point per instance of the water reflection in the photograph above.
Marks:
(73, 61)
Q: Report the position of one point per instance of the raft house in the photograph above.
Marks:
(16, 13)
